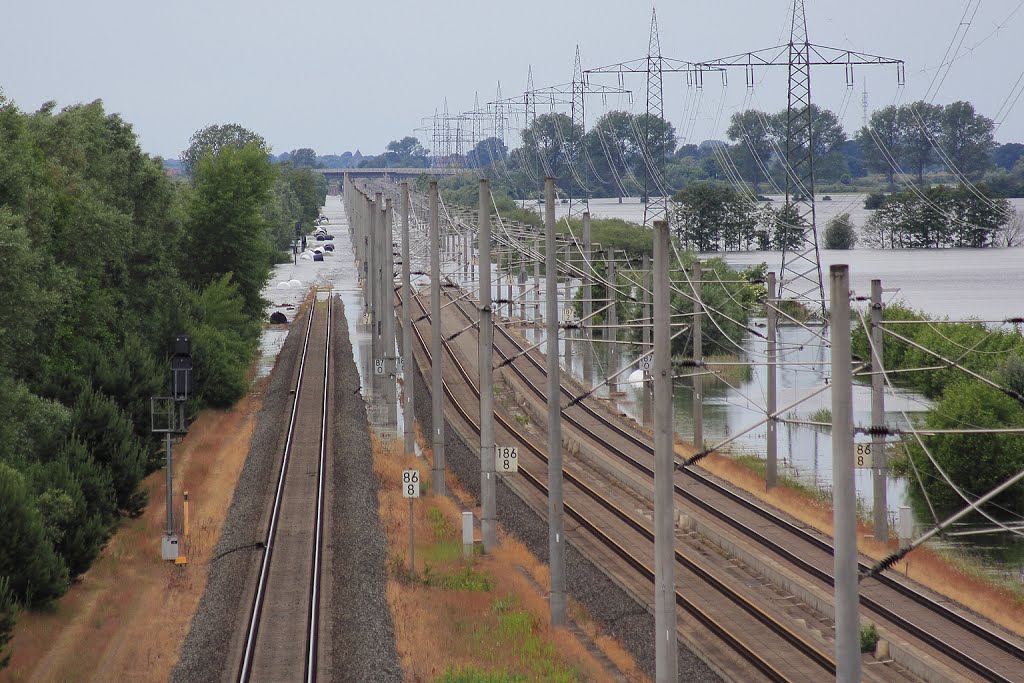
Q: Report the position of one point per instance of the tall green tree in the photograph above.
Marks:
(922, 123)
(213, 139)
(882, 141)
(226, 226)
(967, 138)
(35, 571)
(753, 151)
(713, 216)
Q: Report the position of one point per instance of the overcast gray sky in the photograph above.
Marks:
(341, 75)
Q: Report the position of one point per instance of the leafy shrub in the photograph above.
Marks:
(840, 233)
(36, 573)
(875, 200)
(8, 615)
(868, 637)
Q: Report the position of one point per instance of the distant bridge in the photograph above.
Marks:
(390, 172)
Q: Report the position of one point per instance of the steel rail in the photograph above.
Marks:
(880, 609)
(745, 651)
(252, 633)
(313, 629)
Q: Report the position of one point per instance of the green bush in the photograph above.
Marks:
(874, 200)
(839, 233)
(868, 637)
(8, 615)
(35, 571)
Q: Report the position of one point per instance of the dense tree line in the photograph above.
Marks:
(912, 138)
(105, 258)
(937, 216)
(976, 462)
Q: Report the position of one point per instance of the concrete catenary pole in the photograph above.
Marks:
(879, 457)
(380, 231)
(388, 292)
(436, 384)
(567, 303)
(371, 257)
(408, 371)
(666, 645)
(645, 331)
(488, 478)
(588, 306)
(612, 317)
(772, 371)
(536, 279)
(698, 357)
(844, 498)
(556, 527)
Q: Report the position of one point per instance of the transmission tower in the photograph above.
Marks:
(570, 94)
(655, 66)
(655, 207)
(864, 103)
(579, 122)
(801, 277)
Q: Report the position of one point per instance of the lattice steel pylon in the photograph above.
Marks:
(654, 66)
(655, 208)
(579, 122)
(801, 277)
(556, 95)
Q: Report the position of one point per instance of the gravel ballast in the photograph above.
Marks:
(363, 634)
(357, 638)
(610, 606)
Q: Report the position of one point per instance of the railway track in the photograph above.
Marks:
(281, 638)
(967, 645)
(949, 636)
(765, 643)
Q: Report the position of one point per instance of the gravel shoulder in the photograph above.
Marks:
(362, 634)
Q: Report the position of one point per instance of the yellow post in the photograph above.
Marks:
(182, 559)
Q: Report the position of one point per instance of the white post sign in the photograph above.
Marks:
(506, 459)
(862, 455)
(378, 366)
(410, 483)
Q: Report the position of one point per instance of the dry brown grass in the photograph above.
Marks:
(437, 629)
(126, 618)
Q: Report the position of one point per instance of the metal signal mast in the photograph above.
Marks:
(801, 277)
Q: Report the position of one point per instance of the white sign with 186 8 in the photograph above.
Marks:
(862, 455)
(410, 483)
(506, 459)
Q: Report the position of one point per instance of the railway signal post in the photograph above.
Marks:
(167, 416)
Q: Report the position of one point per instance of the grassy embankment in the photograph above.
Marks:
(479, 618)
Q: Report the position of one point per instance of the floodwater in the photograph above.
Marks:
(983, 283)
